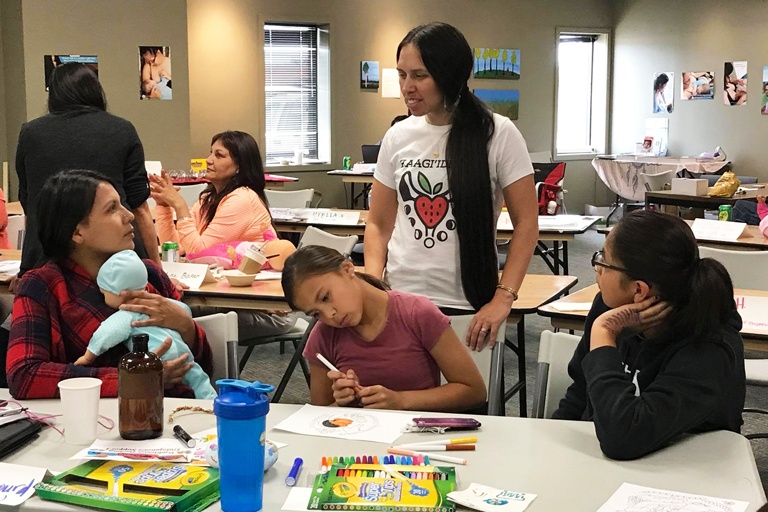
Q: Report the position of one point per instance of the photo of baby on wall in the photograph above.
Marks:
(155, 73)
(735, 83)
(764, 96)
(697, 85)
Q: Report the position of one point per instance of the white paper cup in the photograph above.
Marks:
(80, 408)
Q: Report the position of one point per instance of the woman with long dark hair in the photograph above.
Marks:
(78, 133)
(440, 180)
(232, 208)
(59, 306)
(661, 352)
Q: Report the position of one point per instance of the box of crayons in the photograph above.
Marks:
(384, 487)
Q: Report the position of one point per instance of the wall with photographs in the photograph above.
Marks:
(226, 31)
(653, 36)
(113, 31)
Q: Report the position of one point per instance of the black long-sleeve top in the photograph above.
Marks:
(85, 138)
(643, 393)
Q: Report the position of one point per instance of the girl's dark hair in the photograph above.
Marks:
(314, 260)
(448, 58)
(661, 250)
(246, 155)
(64, 202)
(660, 80)
(73, 86)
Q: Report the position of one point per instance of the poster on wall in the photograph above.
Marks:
(663, 96)
(735, 83)
(697, 85)
(764, 96)
(369, 74)
(155, 73)
(51, 62)
(498, 63)
(501, 101)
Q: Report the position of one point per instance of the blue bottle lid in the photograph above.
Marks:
(241, 400)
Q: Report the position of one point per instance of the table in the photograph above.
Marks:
(667, 197)
(557, 460)
(751, 240)
(622, 174)
(556, 257)
(354, 177)
(574, 320)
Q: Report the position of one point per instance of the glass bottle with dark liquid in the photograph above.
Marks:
(140, 392)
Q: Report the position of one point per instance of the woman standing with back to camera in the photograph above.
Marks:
(79, 133)
(438, 188)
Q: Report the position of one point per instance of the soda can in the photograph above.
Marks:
(346, 163)
(170, 252)
(725, 212)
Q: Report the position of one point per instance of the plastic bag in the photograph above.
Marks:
(726, 186)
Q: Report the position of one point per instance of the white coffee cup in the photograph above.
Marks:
(80, 408)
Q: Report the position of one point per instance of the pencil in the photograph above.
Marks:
(330, 366)
(455, 440)
(432, 456)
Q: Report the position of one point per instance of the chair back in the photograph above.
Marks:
(743, 180)
(370, 153)
(555, 352)
(221, 331)
(549, 177)
(17, 226)
(315, 236)
(489, 362)
(304, 198)
(747, 268)
(655, 182)
(191, 193)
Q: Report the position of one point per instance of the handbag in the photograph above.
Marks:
(16, 434)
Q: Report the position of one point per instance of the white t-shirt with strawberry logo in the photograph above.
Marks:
(423, 253)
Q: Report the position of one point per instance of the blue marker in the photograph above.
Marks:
(293, 474)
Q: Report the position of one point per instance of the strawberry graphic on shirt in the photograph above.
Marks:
(429, 208)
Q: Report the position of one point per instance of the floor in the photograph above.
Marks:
(267, 364)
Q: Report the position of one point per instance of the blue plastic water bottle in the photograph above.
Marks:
(241, 420)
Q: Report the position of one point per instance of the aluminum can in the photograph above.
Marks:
(346, 163)
(170, 252)
(725, 212)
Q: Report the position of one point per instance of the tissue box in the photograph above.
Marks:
(689, 187)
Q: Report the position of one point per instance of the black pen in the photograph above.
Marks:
(12, 412)
(181, 434)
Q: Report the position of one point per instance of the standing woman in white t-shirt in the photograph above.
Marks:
(440, 180)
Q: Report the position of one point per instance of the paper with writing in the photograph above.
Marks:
(635, 497)
(328, 216)
(17, 482)
(191, 274)
(707, 229)
(754, 313)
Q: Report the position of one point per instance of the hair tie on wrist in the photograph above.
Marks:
(507, 289)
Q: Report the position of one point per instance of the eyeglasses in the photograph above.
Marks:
(597, 261)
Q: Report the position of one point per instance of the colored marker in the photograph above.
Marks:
(439, 447)
(455, 440)
(181, 434)
(434, 456)
(330, 366)
(293, 474)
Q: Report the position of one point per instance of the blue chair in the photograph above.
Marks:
(712, 179)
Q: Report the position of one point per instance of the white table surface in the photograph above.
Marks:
(560, 461)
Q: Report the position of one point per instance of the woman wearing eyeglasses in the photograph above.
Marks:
(661, 352)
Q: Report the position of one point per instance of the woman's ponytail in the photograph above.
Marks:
(709, 300)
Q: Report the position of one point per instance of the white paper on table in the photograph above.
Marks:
(10, 266)
(571, 306)
(281, 213)
(298, 499)
(636, 497)
(268, 275)
(707, 229)
(191, 274)
(553, 222)
(18, 482)
(328, 216)
(390, 83)
(487, 499)
(754, 312)
(168, 449)
(357, 424)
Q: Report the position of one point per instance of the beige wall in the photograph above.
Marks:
(654, 36)
(112, 30)
(13, 100)
(226, 35)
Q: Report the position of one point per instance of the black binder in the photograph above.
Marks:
(17, 434)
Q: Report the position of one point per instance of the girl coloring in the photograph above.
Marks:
(390, 347)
